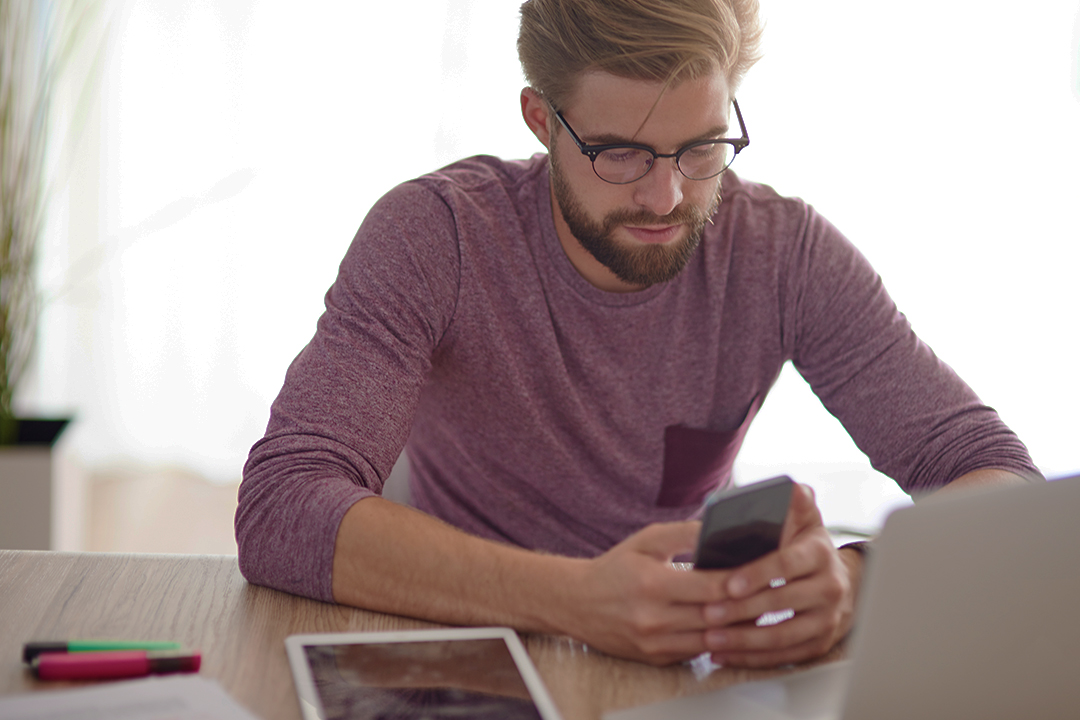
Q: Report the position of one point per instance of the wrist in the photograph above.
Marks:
(862, 548)
(530, 591)
(855, 556)
(554, 604)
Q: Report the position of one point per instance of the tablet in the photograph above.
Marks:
(446, 673)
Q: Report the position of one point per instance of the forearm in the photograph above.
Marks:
(394, 559)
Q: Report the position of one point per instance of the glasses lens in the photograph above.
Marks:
(622, 165)
(702, 161)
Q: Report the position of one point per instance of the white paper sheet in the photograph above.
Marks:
(176, 697)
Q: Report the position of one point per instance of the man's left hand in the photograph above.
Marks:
(820, 586)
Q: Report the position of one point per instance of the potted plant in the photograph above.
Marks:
(37, 42)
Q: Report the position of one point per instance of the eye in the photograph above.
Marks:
(705, 152)
(622, 155)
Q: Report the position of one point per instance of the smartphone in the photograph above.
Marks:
(743, 524)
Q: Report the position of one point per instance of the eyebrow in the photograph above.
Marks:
(714, 133)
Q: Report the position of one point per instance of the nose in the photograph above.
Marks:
(661, 190)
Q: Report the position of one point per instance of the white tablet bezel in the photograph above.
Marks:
(311, 707)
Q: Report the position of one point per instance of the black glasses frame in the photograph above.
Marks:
(593, 151)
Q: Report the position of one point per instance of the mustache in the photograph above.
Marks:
(681, 215)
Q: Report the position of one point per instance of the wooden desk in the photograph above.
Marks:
(203, 602)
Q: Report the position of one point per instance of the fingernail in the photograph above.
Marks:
(714, 613)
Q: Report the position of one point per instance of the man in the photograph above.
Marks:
(573, 347)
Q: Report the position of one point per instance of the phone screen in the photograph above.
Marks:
(743, 524)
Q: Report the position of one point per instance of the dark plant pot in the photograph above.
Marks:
(28, 489)
(31, 432)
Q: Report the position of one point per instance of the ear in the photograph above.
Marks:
(536, 113)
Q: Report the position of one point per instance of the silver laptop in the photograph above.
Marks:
(970, 609)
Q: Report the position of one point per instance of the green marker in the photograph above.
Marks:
(32, 649)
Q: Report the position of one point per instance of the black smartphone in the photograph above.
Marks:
(743, 524)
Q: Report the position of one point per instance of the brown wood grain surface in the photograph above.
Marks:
(204, 603)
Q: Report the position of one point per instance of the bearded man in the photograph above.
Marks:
(570, 349)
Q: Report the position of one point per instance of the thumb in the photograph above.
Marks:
(664, 541)
(802, 513)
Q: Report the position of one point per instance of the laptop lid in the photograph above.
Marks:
(970, 609)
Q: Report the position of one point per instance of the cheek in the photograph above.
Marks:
(701, 194)
(599, 198)
(611, 198)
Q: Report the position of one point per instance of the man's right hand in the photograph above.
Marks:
(632, 602)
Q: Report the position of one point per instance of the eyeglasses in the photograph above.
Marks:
(627, 163)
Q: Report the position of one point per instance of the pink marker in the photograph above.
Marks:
(112, 664)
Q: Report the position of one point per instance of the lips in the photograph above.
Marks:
(655, 234)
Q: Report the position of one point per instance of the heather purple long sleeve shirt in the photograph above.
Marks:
(544, 412)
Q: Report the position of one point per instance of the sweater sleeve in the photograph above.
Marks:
(916, 420)
(344, 412)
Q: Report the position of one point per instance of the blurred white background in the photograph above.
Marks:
(238, 144)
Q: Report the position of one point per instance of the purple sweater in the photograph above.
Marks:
(543, 412)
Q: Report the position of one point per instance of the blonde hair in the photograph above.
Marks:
(661, 40)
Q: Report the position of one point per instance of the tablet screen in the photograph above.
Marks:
(460, 678)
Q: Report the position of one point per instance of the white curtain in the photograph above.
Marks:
(239, 144)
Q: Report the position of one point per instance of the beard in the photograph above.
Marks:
(641, 266)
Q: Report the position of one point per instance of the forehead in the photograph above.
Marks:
(644, 111)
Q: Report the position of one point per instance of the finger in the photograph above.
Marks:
(772, 658)
(803, 638)
(697, 587)
(799, 559)
(667, 649)
(802, 513)
(668, 619)
(798, 597)
(805, 628)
